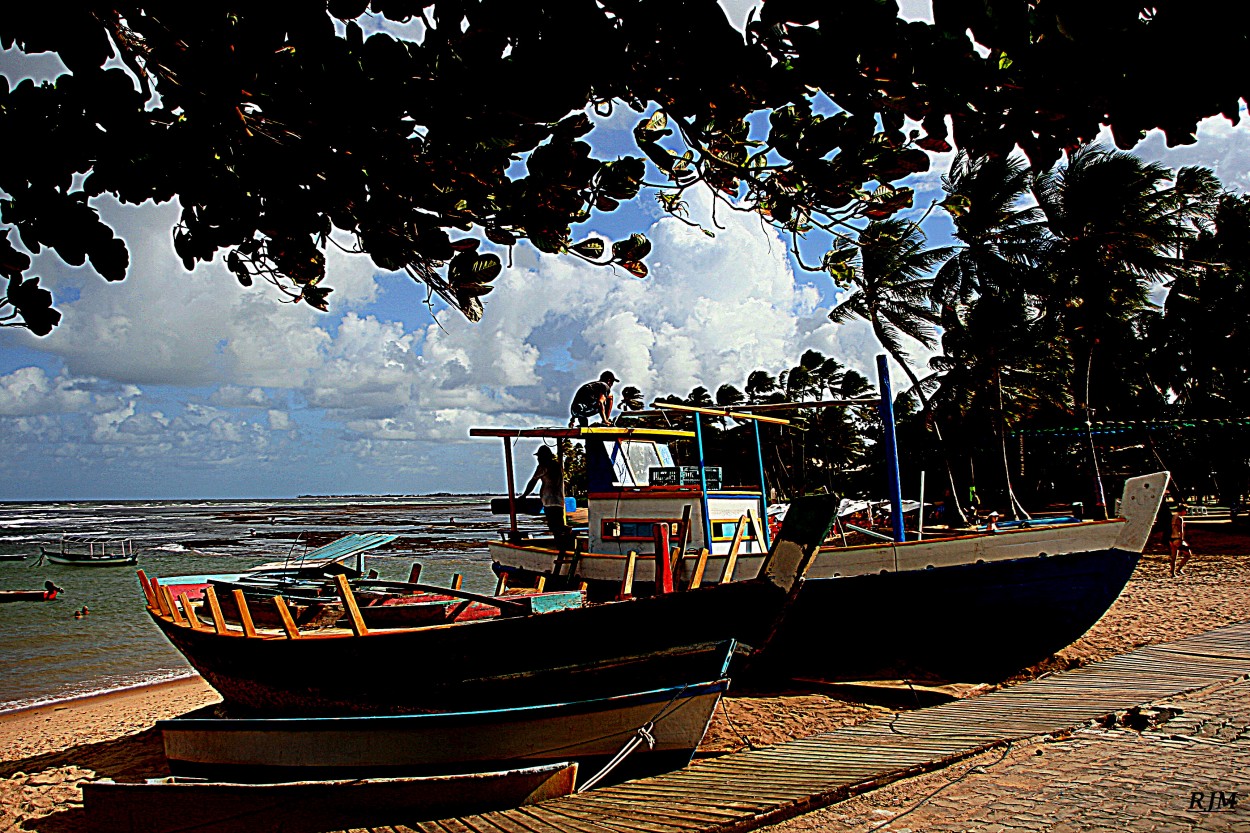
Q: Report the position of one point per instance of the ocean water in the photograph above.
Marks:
(48, 655)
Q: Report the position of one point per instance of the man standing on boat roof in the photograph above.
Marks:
(593, 399)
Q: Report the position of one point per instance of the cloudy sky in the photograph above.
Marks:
(176, 384)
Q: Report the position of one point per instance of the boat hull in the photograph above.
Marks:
(589, 652)
(963, 607)
(169, 805)
(26, 595)
(588, 732)
(74, 560)
(967, 622)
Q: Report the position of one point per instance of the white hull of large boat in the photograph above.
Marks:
(1139, 506)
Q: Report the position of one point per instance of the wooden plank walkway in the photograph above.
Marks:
(746, 790)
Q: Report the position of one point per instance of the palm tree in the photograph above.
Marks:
(985, 284)
(893, 293)
(1117, 229)
(1002, 238)
(892, 289)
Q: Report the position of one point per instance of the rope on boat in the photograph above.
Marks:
(643, 734)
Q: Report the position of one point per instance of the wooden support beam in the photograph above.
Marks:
(731, 561)
(683, 540)
(214, 605)
(189, 612)
(245, 614)
(161, 607)
(155, 587)
(456, 580)
(723, 412)
(541, 584)
(147, 589)
(414, 575)
(756, 529)
(288, 621)
(502, 584)
(354, 619)
(699, 567)
(627, 583)
(172, 606)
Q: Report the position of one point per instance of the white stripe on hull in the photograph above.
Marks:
(430, 741)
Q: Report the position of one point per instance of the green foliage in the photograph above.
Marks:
(274, 125)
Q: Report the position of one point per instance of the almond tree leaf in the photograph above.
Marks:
(592, 248)
(635, 268)
(486, 268)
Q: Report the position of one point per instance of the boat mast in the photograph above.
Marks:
(891, 449)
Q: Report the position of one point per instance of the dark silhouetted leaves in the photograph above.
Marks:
(271, 125)
(33, 304)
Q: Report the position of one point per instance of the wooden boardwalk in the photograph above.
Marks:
(746, 790)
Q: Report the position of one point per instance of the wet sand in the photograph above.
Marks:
(46, 752)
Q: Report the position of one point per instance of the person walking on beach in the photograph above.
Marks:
(1176, 541)
(593, 399)
(551, 475)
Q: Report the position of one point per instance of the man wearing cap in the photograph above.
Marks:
(593, 399)
(552, 491)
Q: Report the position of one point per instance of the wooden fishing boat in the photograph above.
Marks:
(168, 805)
(91, 552)
(591, 732)
(13, 556)
(952, 607)
(541, 657)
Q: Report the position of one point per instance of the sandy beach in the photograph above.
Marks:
(47, 751)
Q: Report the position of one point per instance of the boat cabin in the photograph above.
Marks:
(635, 486)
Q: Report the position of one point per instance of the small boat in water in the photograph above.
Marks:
(47, 594)
(91, 552)
(167, 805)
(591, 732)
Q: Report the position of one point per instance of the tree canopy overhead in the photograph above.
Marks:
(274, 126)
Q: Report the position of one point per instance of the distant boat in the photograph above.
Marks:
(91, 552)
(47, 594)
(19, 556)
(166, 805)
(590, 732)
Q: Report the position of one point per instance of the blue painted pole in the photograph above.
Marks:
(707, 522)
(759, 455)
(891, 448)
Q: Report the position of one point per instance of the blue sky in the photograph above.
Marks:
(176, 384)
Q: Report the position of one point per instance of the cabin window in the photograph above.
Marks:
(723, 530)
(635, 530)
(632, 459)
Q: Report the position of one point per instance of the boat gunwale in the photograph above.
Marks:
(825, 547)
(391, 722)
